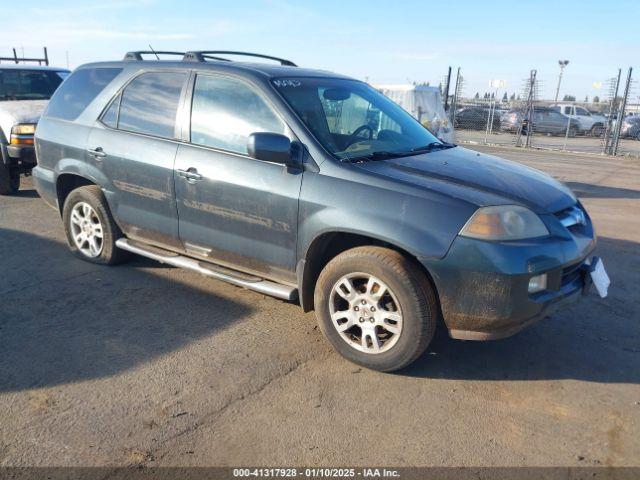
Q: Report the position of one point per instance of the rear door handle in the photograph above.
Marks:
(98, 153)
(191, 174)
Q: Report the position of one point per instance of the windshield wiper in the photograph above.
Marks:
(432, 146)
(379, 155)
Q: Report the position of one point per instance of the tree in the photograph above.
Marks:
(569, 98)
(477, 95)
(596, 99)
(513, 97)
(586, 99)
(505, 97)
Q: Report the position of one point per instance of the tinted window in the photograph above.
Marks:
(581, 111)
(78, 91)
(226, 111)
(28, 84)
(150, 103)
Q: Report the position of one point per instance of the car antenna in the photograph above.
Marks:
(154, 52)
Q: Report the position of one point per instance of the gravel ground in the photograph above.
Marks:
(143, 364)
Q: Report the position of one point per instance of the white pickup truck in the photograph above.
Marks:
(590, 123)
(24, 92)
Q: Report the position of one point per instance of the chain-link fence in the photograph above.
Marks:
(609, 124)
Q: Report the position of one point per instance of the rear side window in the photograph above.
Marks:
(78, 91)
(149, 104)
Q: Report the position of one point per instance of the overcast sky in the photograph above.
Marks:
(382, 41)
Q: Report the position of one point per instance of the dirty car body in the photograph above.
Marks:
(277, 223)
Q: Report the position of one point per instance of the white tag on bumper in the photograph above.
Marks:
(599, 277)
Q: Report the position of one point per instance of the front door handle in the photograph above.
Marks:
(191, 174)
(98, 153)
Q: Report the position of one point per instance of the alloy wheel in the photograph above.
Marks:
(86, 229)
(365, 312)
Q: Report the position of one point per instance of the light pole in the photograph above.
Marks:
(562, 63)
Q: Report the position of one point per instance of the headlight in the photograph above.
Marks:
(504, 222)
(22, 134)
(24, 129)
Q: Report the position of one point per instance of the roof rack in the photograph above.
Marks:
(203, 55)
(16, 59)
(137, 55)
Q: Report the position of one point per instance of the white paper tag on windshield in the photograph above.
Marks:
(600, 278)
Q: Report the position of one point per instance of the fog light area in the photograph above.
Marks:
(538, 283)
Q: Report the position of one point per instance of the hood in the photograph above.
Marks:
(20, 111)
(478, 178)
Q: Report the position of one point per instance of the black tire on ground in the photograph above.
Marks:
(92, 195)
(597, 130)
(9, 179)
(413, 290)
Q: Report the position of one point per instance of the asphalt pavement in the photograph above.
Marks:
(143, 364)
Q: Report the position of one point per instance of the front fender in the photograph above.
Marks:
(423, 223)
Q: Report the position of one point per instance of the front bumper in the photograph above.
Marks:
(22, 155)
(483, 286)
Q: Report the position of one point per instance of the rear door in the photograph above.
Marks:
(134, 144)
(233, 209)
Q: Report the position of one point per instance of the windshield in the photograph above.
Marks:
(353, 120)
(20, 84)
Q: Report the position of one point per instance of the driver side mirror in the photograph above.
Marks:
(271, 147)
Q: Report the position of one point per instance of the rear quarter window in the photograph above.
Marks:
(78, 91)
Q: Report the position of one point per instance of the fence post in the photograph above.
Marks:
(446, 91)
(608, 136)
(566, 134)
(621, 111)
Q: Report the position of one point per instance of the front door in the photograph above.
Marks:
(134, 144)
(233, 209)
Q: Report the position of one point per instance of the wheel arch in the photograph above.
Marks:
(67, 183)
(327, 246)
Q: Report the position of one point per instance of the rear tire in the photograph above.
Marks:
(573, 132)
(90, 228)
(597, 130)
(9, 179)
(381, 289)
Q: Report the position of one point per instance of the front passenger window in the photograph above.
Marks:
(225, 111)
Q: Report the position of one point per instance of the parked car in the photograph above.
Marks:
(235, 170)
(589, 123)
(477, 118)
(24, 92)
(545, 120)
(630, 127)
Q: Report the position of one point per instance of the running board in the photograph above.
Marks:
(226, 275)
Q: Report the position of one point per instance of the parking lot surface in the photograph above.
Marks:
(580, 144)
(143, 364)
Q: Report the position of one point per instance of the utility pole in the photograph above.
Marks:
(562, 63)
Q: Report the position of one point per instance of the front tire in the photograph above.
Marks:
(376, 307)
(90, 228)
(9, 179)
